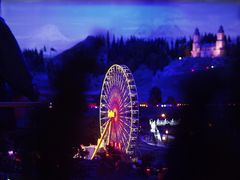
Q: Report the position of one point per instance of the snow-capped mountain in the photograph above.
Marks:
(49, 33)
(49, 36)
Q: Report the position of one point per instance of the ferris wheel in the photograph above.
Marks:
(119, 110)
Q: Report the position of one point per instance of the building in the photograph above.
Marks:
(210, 49)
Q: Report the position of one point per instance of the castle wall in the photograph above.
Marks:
(206, 50)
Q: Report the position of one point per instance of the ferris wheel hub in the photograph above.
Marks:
(111, 114)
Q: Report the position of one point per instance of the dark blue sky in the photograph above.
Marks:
(56, 24)
(121, 1)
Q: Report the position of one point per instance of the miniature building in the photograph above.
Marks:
(210, 49)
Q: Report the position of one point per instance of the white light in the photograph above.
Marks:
(164, 138)
(212, 67)
(163, 115)
(10, 153)
(180, 58)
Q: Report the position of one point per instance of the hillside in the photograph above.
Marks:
(173, 80)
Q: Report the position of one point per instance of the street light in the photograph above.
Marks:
(166, 137)
(163, 115)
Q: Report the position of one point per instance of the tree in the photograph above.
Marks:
(44, 49)
(108, 40)
(113, 41)
(34, 60)
(171, 100)
(155, 96)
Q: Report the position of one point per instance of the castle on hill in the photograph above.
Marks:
(209, 49)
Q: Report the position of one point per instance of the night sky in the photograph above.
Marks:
(62, 23)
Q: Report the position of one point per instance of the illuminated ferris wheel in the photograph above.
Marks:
(119, 110)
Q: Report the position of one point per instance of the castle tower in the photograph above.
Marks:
(220, 43)
(196, 47)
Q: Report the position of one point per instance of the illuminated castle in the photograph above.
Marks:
(211, 49)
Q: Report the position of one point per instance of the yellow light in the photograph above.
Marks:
(111, 114)
(143, 105)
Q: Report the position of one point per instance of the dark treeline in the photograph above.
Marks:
(233, 48)
(134, 52)
(34, 59)
(154, 53)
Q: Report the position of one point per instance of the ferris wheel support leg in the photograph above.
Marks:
(109, 133)
(101, 139)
